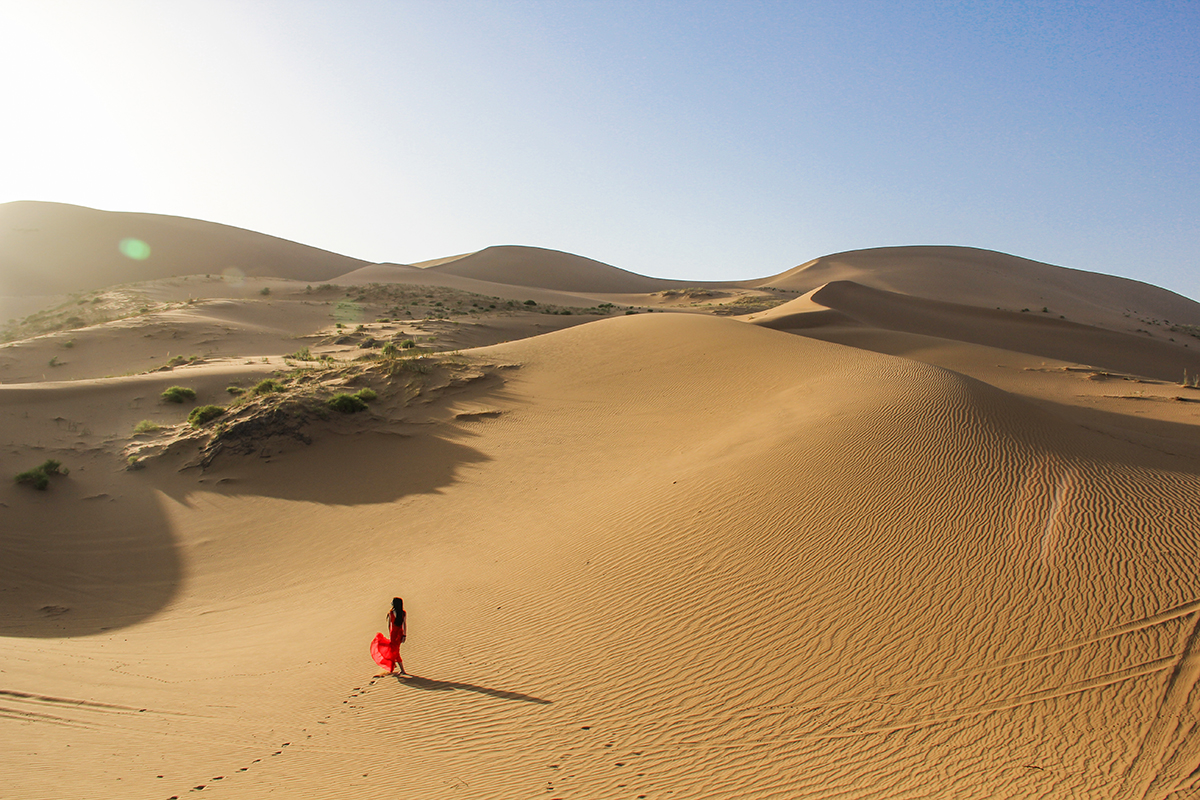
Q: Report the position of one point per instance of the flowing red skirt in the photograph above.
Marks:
(386, 654)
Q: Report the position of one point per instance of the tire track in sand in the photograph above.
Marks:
(1168, 754)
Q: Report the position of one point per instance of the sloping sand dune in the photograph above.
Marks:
(54, 248)
(1038, 334)
(547, 269)
(986, 279)
(509, 289)
(650, 556)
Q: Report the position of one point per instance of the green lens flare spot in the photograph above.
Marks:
(135, 249)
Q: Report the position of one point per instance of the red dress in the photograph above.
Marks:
(386, 649)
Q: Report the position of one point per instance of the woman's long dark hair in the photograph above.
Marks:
(398, 609)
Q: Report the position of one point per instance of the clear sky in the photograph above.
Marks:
(698, 140)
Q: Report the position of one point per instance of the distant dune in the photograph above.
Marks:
(986, 279)
(547, 269)
(898, 523)
(54, 248)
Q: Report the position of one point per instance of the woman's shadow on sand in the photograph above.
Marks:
(431, 685)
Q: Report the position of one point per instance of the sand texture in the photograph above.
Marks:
(865, 529)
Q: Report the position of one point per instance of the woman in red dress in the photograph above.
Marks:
(386, 649)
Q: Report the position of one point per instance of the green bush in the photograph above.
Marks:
(390, 350)
(39, 476)
(366, 394)
(346, 403)
(267, 386)
(234, 390)
(146, 426)
(204, 414)
(303, 354)
(178, 394)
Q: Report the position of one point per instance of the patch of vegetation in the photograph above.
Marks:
(178, 394)
(1190, 330)
(234, 390)
(303, 354)
(346, 403)
(264, 291)
(204, 414)
(691, 292)
(146, 426)
(366, 394)
(267, 386)
(39, 476)
(93, 309)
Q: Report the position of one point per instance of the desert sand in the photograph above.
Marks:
(908, 522)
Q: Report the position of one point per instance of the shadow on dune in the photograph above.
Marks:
(431, 685)
(347, 470)
(75, 562)
(1145, 442)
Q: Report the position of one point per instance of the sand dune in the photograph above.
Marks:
(547, 269)
(986, 279)
(55, 249)
(1035, 333)
(885, 540)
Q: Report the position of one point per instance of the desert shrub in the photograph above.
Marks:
(303, 354)
(346, 403)
(178, 394)
(264, 291)
(366, 394)
(390, 350)
(407, 344)
(267, 386)
(34, 477)
(234, 390)
(530, 302)
(203, 414)
(146, 426)
(39, 476)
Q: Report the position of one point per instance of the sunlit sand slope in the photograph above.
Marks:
(665, 556)
(54, 248)
(987, 279)
(1040, 334)
(547, 269)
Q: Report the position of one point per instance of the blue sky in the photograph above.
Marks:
(692, 140)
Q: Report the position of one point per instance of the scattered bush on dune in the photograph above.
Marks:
(303, 354)
(178, 394)
(267, 386)
(346, 403)
(204, 414)
(39, 477)
(146, 426)
(366, 394)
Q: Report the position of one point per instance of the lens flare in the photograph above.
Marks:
(135, 249)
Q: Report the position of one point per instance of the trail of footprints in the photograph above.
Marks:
(549, 787)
